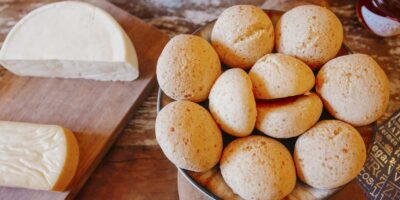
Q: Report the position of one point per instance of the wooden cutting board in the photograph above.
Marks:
(95, 111)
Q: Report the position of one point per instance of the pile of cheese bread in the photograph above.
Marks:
(67, 39)
(261, 84)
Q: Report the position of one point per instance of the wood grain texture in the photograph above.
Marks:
(127, 173)
(95, 111)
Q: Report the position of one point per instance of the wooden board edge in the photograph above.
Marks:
(72, 193)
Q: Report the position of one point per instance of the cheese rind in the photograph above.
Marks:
(37, 156)
(70, 39)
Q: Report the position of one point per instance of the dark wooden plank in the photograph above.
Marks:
(140, 172)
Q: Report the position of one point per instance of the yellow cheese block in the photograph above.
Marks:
(37, 156)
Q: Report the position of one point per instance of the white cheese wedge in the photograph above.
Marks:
(70, 39)
(37, 156)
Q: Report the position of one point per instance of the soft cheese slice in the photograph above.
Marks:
(70, 39)
(37, 156)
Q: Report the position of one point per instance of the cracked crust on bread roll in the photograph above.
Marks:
(241, 35)
(278, 76)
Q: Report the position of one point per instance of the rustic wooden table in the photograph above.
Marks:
(135, 167)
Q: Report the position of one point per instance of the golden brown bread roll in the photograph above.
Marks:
(188, 136)
(354, 89)
(232, 103)
(241, 35)
(286, 118)
(187, 68)
(310, 33)
(329, 155)
(278, 76)
(257, 167)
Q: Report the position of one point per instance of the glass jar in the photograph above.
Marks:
(382, 17)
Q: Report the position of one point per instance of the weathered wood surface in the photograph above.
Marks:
(135, 151)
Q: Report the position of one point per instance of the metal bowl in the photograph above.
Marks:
(162, 100)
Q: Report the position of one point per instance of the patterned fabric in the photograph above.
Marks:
(380, 177)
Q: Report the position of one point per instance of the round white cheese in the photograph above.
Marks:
(70, 39)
